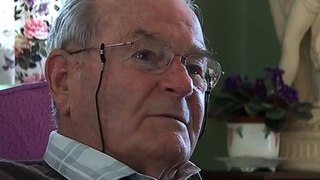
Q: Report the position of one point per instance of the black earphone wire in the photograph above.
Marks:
(103, 61)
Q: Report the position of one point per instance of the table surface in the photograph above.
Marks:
(211, 175)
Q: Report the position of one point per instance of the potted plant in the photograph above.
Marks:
(264, 104)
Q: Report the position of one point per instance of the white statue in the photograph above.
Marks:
(297, 25)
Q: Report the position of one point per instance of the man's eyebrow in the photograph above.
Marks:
(143, 33)
(195, 49)
(140, 33)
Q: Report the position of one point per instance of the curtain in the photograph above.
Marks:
(23, 32)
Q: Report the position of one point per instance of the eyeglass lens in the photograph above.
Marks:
(154, 56)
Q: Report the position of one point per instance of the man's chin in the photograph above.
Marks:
(175, 145)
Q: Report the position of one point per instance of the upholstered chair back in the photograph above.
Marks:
(25, 121)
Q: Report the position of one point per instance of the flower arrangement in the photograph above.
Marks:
(30, 47)
(33, 19)
(269, 99)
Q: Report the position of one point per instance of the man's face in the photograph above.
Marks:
(147, 116)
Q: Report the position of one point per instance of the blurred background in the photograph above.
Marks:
(242, 34)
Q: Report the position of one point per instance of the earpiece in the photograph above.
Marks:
(102, 56)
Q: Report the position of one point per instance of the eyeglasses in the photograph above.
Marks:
(154, 56)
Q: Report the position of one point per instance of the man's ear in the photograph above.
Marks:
(56, 71)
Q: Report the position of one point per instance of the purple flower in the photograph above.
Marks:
(231, 83)
(29, 3)
(260, 89)
(268, 98)
(43, 8)
(289, 94)
(275, 75)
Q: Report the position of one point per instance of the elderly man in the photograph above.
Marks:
(130, 80)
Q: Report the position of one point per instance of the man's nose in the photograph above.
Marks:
(176, 79)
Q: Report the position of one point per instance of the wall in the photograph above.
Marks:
(243, 35)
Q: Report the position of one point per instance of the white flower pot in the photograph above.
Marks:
(252, 140)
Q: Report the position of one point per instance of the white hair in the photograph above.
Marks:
(76, 23)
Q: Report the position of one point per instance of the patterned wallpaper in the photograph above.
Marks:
(23, 32)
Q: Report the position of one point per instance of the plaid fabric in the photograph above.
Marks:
(76, 161)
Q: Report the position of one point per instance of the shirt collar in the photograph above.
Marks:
(75, 160)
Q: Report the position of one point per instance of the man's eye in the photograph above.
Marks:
(144, 55)
(195, 70)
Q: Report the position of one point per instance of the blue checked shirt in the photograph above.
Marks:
(76, 161)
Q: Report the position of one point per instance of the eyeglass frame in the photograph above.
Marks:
(211, 81)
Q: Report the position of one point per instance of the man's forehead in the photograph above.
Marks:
(127, 11)
(141, 8)
(131, 19)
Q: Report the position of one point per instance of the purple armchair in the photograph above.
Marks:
(25, 121)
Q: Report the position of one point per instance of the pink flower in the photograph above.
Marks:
(35, 77)
(35, 28)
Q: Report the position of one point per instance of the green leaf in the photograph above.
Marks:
(268, 105)
(303, 105)
(239, 131)
(253, 109)
(276, 113)
(274, 124)
(301, 116)
(57, 8)
(267, 132)
(244, 93)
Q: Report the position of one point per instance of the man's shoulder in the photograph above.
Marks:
(36, 170)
